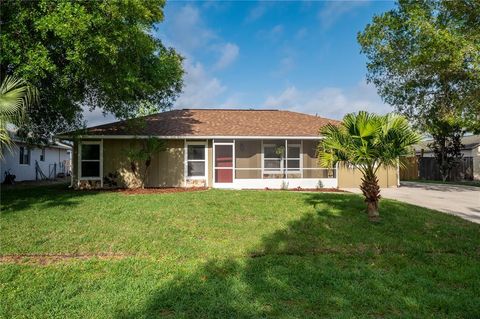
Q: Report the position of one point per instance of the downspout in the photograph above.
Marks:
(185, 163)
(71, 165)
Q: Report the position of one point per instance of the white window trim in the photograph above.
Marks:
(99, 178)
(186, 160)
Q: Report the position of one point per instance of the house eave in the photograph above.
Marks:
(189, 137)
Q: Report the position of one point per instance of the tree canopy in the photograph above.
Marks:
(424, 59)
(88, 54)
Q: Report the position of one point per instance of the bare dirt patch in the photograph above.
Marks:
(46, 259)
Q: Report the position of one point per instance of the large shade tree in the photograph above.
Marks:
(368, 141)
(424, 59)
(16, 97)
(86, 55)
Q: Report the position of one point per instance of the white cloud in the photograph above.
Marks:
(332, 11)
(330, 102)
(201, 89)
(257, 12)
(229, 52)
(286, 64)
(274, 34)
(188, 30)
(301, 33)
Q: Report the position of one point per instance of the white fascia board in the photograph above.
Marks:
(194, 137)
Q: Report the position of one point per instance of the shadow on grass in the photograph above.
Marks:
(46, 196)
(325, 264)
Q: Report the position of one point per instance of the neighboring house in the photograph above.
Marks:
(219, 148)
(471, 148)
(21, 158)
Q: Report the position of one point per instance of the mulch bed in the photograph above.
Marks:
(298, 189)
(159, 190)
(320, 190)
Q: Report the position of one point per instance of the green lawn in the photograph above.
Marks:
(226, 254)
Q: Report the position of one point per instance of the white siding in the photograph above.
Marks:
(25, 172)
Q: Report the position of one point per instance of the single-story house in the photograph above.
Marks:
(470, 148)
(220, 148)
(28, 162)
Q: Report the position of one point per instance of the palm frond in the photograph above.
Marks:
(367, 140)
(16, 96)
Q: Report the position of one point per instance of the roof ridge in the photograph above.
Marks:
(226, 109)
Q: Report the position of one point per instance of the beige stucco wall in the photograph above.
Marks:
(351, 177)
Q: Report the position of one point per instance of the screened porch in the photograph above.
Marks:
(273, 163)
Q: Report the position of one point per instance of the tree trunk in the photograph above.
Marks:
(145, 171)
(371, 191)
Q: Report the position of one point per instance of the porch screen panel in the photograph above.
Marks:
(309, 154)
(311, 167)
(248, 159)
(273, 159)
(293, 159)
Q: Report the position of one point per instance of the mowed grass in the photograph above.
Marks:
(233, 254)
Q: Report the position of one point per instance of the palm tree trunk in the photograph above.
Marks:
(371, 191)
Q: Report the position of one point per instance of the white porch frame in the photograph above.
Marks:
(223, 185)
(274, 183)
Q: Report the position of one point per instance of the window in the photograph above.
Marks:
(42, 155)
(90, 162)
(24, 155)
(277, 160)
(196, 160)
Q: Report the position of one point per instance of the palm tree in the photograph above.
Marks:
(15, 97)
(368, 141)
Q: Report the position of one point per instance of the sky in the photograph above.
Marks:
(299, 56)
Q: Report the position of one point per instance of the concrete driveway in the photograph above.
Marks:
(462, 201)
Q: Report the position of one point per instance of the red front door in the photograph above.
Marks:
(223, 163)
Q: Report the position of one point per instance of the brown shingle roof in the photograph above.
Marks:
(221, 122)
